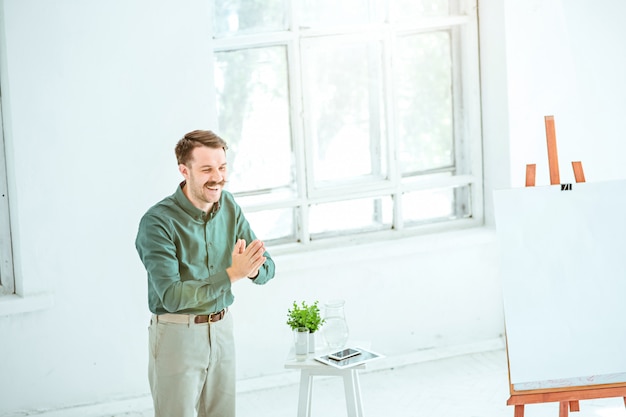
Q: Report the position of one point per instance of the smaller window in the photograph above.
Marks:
(245, 17)
(356, 216)
(435, 205)
(253, 94)
(277, 225)
(345, 109)
(410, 9)
(327, 13)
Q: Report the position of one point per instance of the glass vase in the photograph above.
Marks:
(335, 329)
(301, 341)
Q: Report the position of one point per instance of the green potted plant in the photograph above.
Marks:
(305, 315)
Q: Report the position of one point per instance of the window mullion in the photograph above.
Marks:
(294, 64)
(376, 117)
(389, 50)
(305, 121)
(459, 130)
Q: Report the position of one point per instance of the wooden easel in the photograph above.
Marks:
(553, 160)
(567, 397)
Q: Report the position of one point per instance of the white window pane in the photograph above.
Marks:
(253, 115)
(273, 225)
(346, 110)
(435, 205)
(410, 9)
(424, 103)
(359, 215)
(321, 13)
(264, 197)
(245, 16)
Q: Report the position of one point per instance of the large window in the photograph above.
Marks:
(7, 285)
(350, 119)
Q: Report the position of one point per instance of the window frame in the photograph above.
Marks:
(463, 28)
(7, 278)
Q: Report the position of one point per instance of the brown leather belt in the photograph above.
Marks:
(192, 318)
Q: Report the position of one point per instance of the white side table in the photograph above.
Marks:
(309, 368)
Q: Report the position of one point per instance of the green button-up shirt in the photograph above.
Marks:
(186, 252)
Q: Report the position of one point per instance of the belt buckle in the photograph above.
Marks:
(211, 316)
(219, 314)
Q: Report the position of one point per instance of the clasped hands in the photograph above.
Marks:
(246, 260)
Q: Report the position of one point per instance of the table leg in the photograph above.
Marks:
(353, 393)
(304, 399)
(357, 387)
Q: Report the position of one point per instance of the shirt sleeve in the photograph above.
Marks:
(156, 246)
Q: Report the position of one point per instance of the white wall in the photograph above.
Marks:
(565, 58)
(95, 94)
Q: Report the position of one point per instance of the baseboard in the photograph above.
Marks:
(143, 403)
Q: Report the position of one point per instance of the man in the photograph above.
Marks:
(195, 244)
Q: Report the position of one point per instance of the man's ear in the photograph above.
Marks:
(182, 168)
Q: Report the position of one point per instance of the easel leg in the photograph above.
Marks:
(579, 174)
(519, 410)
(563, 409)
(553, 159)
(530, 174)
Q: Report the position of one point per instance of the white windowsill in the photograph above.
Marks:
(17, 304)
(327, 257)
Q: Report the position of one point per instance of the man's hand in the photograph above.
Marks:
(246, 261)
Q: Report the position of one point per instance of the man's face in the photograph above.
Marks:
(205, 174)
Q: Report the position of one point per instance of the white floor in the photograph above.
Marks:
(474, 385)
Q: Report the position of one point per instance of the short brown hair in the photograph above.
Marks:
(192, 140)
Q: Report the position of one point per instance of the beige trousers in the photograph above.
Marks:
(191, 369)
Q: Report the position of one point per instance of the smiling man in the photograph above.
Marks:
(195, 244)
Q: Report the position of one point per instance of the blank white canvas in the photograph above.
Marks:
(563, 268)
